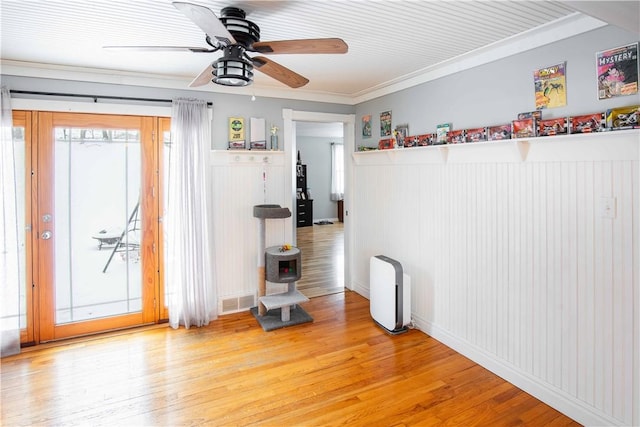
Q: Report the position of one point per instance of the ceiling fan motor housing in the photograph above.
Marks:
(244, 31)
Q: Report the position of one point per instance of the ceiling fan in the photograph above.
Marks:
(235, 36)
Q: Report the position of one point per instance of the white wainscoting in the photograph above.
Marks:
(514, 261)
(237, 185)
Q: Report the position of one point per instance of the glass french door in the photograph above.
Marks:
(96, 223)
(22, 141)
(164, 153)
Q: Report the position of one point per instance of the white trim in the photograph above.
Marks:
(97, 75)
(552, 32)
(349, 136)
(90, 107)
(560, 29)
(548, 394)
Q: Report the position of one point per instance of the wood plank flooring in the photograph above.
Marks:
(339, 370)
(322, 248)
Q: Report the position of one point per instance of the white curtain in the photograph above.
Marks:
(10, 280)
(337, 171)
(190, 290)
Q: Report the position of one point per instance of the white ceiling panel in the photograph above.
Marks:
(388, 40)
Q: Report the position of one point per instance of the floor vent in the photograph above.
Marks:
(246, 302)
(236, 304)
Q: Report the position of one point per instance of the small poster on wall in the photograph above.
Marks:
(385, 123)
(366, 126)
(236, 129)
(550, 86)
(617, 71)
(236, 133)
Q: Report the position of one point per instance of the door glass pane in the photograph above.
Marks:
(14, 313)
(166, 160)
(21, 191)
(98, 270)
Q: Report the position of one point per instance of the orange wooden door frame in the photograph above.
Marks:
(24, 120)
(149, 248)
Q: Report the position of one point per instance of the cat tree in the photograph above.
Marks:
(277, 265)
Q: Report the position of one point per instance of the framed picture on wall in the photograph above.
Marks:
(617, 71)
(237, 140)
(385, 123)
(236, 129)
(550, 86)
(366, 126)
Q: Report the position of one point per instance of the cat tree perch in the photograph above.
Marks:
(282, 266)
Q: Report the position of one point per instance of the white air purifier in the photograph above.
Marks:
(390, 294)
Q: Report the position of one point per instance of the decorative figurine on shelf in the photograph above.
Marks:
(274, 137)
(285, 247)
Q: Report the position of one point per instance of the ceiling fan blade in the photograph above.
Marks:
(160, 49)
(279, 72)
(333, 45)
(208, 22)
(203, 78)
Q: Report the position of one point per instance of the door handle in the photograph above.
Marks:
(46, 235)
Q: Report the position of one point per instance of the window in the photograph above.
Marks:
(337, 171)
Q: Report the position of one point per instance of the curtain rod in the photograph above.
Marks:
(94, 97)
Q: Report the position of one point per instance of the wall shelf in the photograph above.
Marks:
(613, 145)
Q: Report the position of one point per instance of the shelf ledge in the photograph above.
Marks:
(611, 145)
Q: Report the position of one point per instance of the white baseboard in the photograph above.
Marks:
(556, 398)
(362, 290)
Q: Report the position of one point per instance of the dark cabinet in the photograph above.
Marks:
(305, 213)
(304, 208)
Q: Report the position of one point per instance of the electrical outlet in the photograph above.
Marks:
(608, 207)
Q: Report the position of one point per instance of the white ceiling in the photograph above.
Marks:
(392, 44)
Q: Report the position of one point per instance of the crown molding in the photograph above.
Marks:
(560, 29)
(98, 75)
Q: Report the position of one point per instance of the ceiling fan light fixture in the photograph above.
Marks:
(235, 35)
(232, 69)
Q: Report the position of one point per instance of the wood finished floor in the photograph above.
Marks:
(322, 249)
(339, 370)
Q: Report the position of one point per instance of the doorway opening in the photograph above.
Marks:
(320, 193)
(347, 122)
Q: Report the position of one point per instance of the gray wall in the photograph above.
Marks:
(486, 95)
(496, 92)
(316, 154)
(224, 105)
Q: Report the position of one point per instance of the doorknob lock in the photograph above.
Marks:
(46, 235)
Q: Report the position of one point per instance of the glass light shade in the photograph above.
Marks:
(232, 69)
